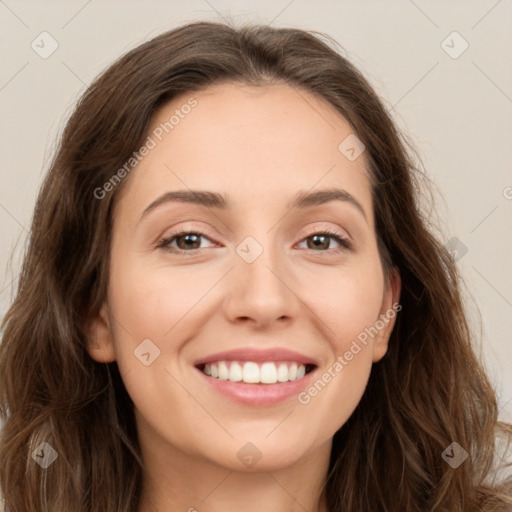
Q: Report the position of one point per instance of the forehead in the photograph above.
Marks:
(250, 143)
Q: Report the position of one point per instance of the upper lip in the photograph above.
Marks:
(257, 355)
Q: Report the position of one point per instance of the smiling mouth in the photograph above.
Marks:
(250, 372)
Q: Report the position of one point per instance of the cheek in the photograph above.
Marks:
(154, 302)
(347, 308)
(346, 302)
(154, 312)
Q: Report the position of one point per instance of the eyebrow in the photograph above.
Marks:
(303, 199)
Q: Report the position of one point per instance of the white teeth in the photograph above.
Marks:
(254, 373)
(223, 371)
(235, 372)
(251, 373)
(282, 373)
(292, 372)
(268, 373)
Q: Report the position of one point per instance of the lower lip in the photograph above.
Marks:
(258, 394)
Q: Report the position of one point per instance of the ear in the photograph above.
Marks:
(100, 343)
(387, 315)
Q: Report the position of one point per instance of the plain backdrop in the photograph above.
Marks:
(443, 69)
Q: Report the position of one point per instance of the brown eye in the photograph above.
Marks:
(321, 242)
(185, 241)
(318, 242)
(189, 241)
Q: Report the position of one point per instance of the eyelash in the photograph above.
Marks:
(345, 243)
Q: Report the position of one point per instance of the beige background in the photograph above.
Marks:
(458, 111)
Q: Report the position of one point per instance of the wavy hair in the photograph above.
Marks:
(428, 391)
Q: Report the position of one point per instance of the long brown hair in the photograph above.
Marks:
(427, 392)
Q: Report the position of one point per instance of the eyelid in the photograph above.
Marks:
(186, 227)
(334, 230)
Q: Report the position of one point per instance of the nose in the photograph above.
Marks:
(261, 293)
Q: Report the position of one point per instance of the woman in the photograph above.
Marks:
(231, 299)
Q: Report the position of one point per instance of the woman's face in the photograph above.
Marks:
(237, 272)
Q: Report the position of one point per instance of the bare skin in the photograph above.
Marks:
(258, 147)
